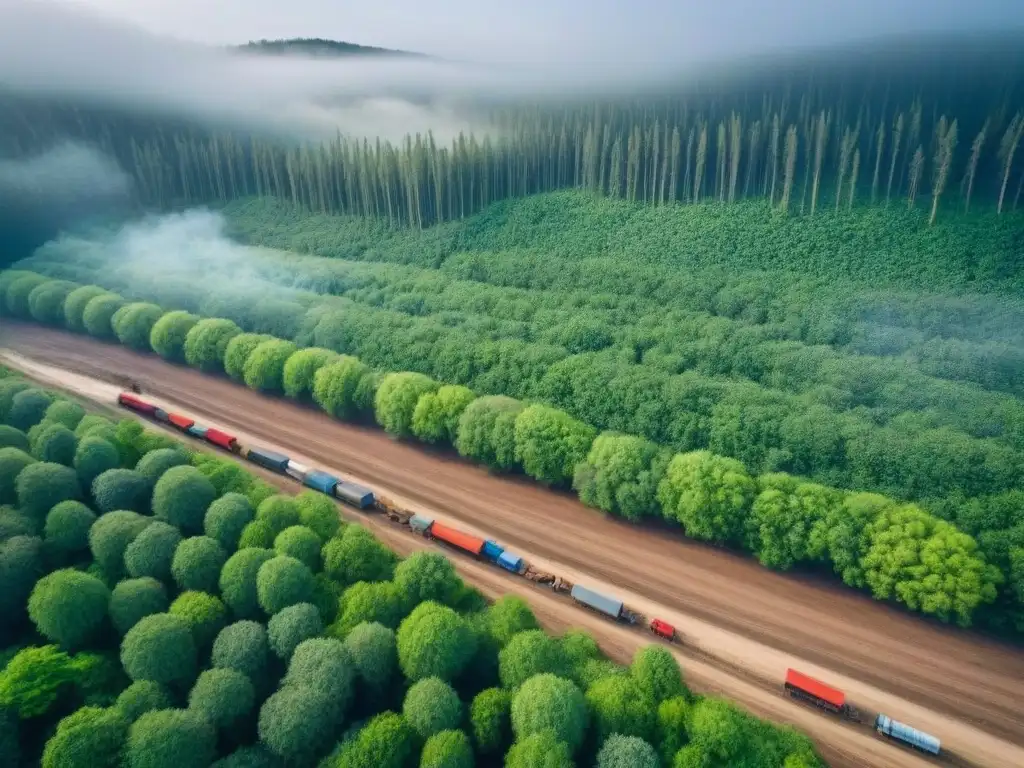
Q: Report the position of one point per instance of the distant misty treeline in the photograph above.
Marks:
(940, 137)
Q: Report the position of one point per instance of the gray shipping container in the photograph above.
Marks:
(354, 494)
(420, 524)
(268, 459)
(597, 601)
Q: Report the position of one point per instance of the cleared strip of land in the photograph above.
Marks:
(734, 614)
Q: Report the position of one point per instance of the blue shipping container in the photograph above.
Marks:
(906, 734)
(510, 562)
(492, 551)
(597, 601)
(160, 415)
(196, 431)
(354, 494)
(321, 481)
(269, 459)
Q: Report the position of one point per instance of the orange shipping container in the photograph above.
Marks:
(463, 541)
(181, 422)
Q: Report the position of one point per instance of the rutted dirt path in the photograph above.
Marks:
(730, 607)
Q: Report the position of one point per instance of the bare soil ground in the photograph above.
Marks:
(743, 625)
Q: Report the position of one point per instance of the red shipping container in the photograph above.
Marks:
(463, 541)
(135, 403)
(222, 439)
(181, 422)
(815, 688)
(663, 629)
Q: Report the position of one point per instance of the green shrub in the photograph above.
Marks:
(170, 738)
(181, 497)
(300, 370)
(621, 475)
(323, 663)
(336, 384)
(396, 399)
(94, 425)
(242, 646)
(75, 303)
(386, 741)
(151, 552)
(12, 462)
(121, 489)
(94, 456)
(283, 581)
(155, 463)
(358, 556)
(381, 602)
(301, 543)
(617, 705)
(18, 291)
(34, 678)
(142, 696)
(98, 315)
(9, 277)
(372, 648)
(432, 706)
(67, 527)
(238, 581)
(257, 534)
(46, 301)
(278, 512)
(110, 536)
(319, 513)
(134, 599)
(15, 523)
(540, 749)
(65, 412)
(298, 723)
(427, 576)
(28, 408)
(256, 756)
(205, 615)
(530, 653)
(21, 563)
(207, 342)
(437, 414)
(91, 736)
(69, 607)
(223, 696)
(197, 564)
(160, 648)
(550, 443)
(13, 438)
(627, 752)
(434, 641)
(42, 485)
(508, 616)
(709, 495)
(290, 626)
(657, 674)
(56, 444)
(264, 368)
(133, 324)
(447, 749)
(226, 518)
(489, 716)
(547, 702)
(8, 389)
(238, 351)
(167, 337)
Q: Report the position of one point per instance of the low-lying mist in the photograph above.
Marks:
(68, 185)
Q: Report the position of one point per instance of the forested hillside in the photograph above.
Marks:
(165, 608)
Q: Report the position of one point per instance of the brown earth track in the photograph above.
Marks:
(972, 678)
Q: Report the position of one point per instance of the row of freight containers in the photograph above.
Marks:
(797, 684)
(351, 493)
(833, 700)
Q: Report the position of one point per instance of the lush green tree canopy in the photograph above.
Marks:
(142, 696)
(204, 614)
(67, 527)
(336, 385)
(627, 752)
(155, 463)
(222, 696)
(300, 371)
(33, 679)
(225, 519)
(94, 456)
(159, 647)
(91, 736)
(436, 416)
(170, 738)
(242, 646)
(358, 556)
(198, 563)
(396, 400)
(432, 706)
(118, 489)
(489, 717)
(167, 337)
(283, 581)
(75, 303)
(69, 607)
(238, 351)
(530, 653)
(206, 343)
(134, 599)
(99, 319)
(181, 497)
(621, 475)
(373, 650)
(709, 495)
(110, 536)
(540, 750)
(292, 625)
(238, 581)
(434, 641)
(151, 552)
(447, 749)
(427, 576)
(264, 367)
(550, 443)
(547, 702)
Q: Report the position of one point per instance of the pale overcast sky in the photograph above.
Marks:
(549, 29)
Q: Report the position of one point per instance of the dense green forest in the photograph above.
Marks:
(163, 607)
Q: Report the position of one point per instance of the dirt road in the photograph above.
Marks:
(741, 612)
